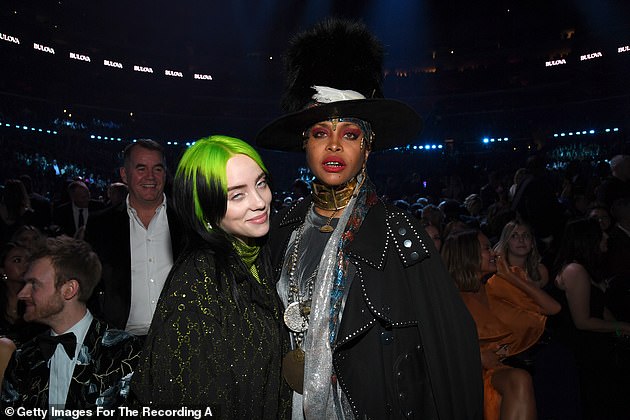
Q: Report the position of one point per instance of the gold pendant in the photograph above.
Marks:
(293, 369)
(326, 229)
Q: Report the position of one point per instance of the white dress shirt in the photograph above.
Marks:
(75, 213)
(62, 367)
(151, 261)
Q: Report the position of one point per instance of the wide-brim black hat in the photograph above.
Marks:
(344, 57)
(393, 123)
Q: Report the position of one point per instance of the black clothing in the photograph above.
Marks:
(406, 345)
(204, 349)
(108, 233)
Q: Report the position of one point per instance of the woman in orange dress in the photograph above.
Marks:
(505, 328)
(516, 289)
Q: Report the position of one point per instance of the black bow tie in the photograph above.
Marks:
(48, 344)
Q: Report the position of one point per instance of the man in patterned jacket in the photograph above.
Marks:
(80, 363)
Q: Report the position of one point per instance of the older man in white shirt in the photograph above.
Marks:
(137, 241)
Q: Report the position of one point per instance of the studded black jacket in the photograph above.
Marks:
(407, 346)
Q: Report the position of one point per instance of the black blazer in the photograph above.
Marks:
(100, 376)
(108, 233)
(64, 218)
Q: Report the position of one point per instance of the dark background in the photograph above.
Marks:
(471, 69)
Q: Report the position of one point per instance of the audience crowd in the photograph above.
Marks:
(557, 230)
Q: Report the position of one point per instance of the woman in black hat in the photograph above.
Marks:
(377, 327)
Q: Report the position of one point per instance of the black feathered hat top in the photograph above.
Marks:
(334, 70)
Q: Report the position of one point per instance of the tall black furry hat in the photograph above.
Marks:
(335, 70)
(336, 53)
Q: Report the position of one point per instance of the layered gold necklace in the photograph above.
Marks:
(332, 199)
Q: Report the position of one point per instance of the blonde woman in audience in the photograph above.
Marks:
(518, 245)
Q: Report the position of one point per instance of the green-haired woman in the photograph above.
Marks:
(215, 340)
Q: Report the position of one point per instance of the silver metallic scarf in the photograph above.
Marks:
(319, 393)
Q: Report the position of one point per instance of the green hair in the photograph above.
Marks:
(201, 180)
(200, 200)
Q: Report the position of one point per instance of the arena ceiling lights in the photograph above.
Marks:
(592, 55)
(105, 61)
(114, 63)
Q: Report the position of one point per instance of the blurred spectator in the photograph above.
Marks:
(601, 213)
(432, 215)
(300, 189)
(452, 210)
(435, 236)
(15, 208)
(455, 226)
(29, 236)
(401, 204)
(617, 261)
(474, 207)
(72, 217)
(574, 201)
(13, 264)
(618, 184)
(587, 326)
(495, 221)
(40, 204)
(454, 187)
(416, 209)
(116, 194)
(519, 176)
(491, 191)
(536, 204)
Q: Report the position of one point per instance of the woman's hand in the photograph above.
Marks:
(548, 305)
(490, 359)
(503, 269)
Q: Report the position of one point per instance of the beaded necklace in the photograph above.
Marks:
(298, 309)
